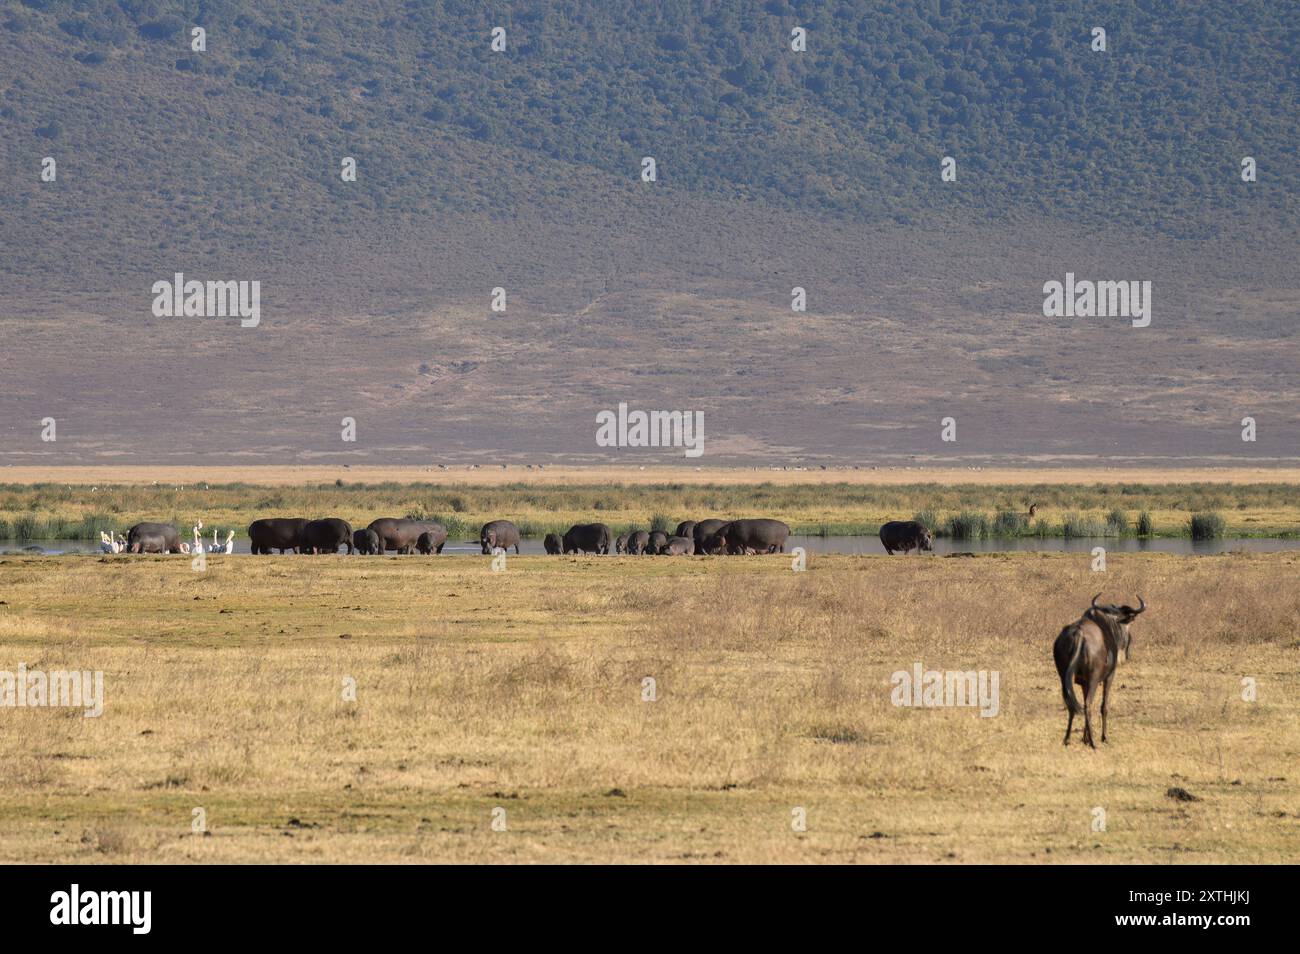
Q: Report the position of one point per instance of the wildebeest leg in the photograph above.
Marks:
(440, 546)
(1068, 726)
(1088, 694)
(516, 549)
(1105, 703)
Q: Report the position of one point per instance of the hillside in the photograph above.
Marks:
(520, 169)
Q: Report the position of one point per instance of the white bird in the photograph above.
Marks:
(227, 547)
(198, 540)
(106, 543)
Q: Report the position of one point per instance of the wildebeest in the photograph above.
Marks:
(620, 545)
(1033, 509)
(402, 533)
(906, 535)
(366, 541)
(498, 533)
(658, 539)
(326, 536)
(431, 541)
(276, 533)
(153, 538)
(704, 529)
(588, 538)
(678, 546)
(685, 529)
(553, 544)
(637, 542)
(1087, 652)
(751, 536)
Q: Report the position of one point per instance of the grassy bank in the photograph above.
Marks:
(525, 691)
(79, 511)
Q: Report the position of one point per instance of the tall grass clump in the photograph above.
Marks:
(1010, 523)
(1206, 526)
(1078, 525)
(1116, 523)
(1145, 527)
(928, 519)
(968, 525)
(661, 522)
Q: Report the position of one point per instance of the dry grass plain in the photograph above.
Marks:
(522, 690)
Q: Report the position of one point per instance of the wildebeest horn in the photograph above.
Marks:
(1094, 601)
(1143, 606)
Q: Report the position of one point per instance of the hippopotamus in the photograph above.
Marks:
(402, 533)
(906, 535)
(678, 546)
(658, 540)
(637, 542)
(366, 541)
(327, 535)
(753, 536)
(587, 538)
(153, 538)
(620, 545)
(431, 541)
(498, 533)
(553, 544)
(705, 529)
(685, 529)
(276, 533)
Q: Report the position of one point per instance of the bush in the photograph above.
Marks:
(660, 522)
(927, 519)
(1077, 525)
(1145, 527)
(1010, 523)
(1117, 523)
(968, 525)
(1206, 526)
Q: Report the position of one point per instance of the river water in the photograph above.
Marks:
(855, 544)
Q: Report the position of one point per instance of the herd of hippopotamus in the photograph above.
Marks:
(407, 535)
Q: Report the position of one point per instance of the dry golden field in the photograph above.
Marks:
(523, 690)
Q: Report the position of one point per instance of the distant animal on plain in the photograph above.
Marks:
(554, 545)
(327, 535)
(276, 533)
(1033, 509)
(402, 533)
(431, 541)
(685, 529)
(739, 537)
(637, 542)
(678, 546)
(658, 539)
(1088, 652)
(153, 538)
(366, 541)
(906, 535)
(620, 544)
(498, 533)
(588, 538)
(703, 532)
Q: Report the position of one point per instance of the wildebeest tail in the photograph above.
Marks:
(1073, 633)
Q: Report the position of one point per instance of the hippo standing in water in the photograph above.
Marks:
(752, 536)
(402, 533)
(588, 538)
(498, 533)
(905, 535)
(637, 542)
(703, 530)
(366, 541)
(153, 538)
(326, 536)
(658, 540)
(276, 533)
(678, 546)
(553, 544)
(431, 541)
